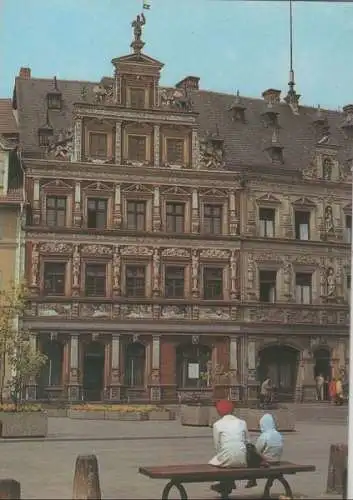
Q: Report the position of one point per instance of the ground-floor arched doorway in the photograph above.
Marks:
(93, 371)
(193, 363)
(280, 364)
(51, 374)
(322, 367)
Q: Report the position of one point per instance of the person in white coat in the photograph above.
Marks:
(230, 436)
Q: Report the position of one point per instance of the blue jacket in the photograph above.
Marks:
(270, 441)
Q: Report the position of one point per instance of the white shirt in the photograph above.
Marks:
(230, 435)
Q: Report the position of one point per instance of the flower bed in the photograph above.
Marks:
(25, 421)
(119, 412)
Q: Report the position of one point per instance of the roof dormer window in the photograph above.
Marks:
(44, 136)
(54, 97)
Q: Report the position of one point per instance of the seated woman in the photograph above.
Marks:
(269, 444)
(230, 436)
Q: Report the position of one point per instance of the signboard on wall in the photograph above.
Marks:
(193, 370)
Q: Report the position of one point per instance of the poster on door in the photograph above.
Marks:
(193, 370)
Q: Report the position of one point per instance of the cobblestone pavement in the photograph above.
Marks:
(45, 468)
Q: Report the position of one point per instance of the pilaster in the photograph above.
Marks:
(77, 215)
(74, 383)
(156, 144)
(156, 215)
(195, 215)
(118, 142)
(195, 149)
(77, 153)
(76, 271)
(115, 375)
(234, 221)
(31, 388)
(36, 202)
(117, 217)
(155, 388)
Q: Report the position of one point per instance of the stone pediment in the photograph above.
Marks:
(268, 198)
(177, 190)
(56, 184)
(304, 202)
(142, 59)
(97, 186)
(137, 188)
(213, 192)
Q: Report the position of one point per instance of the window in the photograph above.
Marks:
(212, 219)
(175, 217)
(44, 136)
(137, 147)
(96, 213)
(55, 211)
(54, 101)
(267, 222)
(348, 229)
(213, 283)
(302, 225)
(137, 98)
(54, 278)
(268, 286)
(174, 282)
(135, 281)
(200, 358)
(136, 215)
(303, 285)
(135, 363)
(98, 145)
(95, 280)
(175, 151)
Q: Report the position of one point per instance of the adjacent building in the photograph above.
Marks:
(179, 239)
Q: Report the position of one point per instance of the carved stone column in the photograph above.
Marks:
(118, 142)
(156, 278)
(251, 382)
(195, 216)
(77, 215)
(31, 388)
(234, 221)
(77, 153)
(234, 289)
(117, 217)
(251, 278)
(156, 145)
(234, 368)
(74, 382)
(116, 271)
(155, 388)
(156, 216)
(34, 283)
(195, 274)
(195, 149)
(251, 216)
(115, 380)
(76, 271)
(36, 202)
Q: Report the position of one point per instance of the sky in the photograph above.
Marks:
(230, 45)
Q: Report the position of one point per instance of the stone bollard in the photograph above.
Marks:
(336, 468)
(86, 480)
(10, 489)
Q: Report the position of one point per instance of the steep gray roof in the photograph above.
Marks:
(244, 142)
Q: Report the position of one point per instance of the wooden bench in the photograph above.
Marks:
(182, 474)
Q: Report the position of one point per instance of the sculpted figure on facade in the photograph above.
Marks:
(116, 268)
(287, 277)
(175, 99)
(156, 270)
(327, 169)
(35, 264)
(329, 225)
(76, 265)
(195, 271)
(211, 154)
(331, 282)
(61, 148)
(137, 25)
(233, 273)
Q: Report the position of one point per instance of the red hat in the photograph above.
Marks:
(224, 407)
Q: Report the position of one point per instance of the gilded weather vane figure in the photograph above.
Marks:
(137, 24)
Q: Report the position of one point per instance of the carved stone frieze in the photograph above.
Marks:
(96, 310)
(137, 188)
(174, 99)
(55, 247)
(96, 250)
(176, 252)
(175, 190)
(61, 147)
(214, 253)
(175, 312)
(136, 250)
(218, 313)
(212, 153)
(54, 310)
(268, 256)
(136, 311)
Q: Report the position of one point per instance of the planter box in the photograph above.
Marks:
(126, 416)
(195, 415)
(85, 415)
(161, 415)
(284, 418)
(24, 424)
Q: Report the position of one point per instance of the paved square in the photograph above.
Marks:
(45, 468)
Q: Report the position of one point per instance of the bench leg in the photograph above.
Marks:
(269, 484)
(178, 486)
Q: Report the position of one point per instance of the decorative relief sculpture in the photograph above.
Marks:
(331, 283)
(136, 311)
(329, 225)
(35, 265)
(76, 266)
(136, 250)
(220, 313)
(234, 274)
(327, 169)
(311, 171)
(55, 247)
(103, 94)
(96, 310)
(214, 253)
(156, 270)
(212, 153)
(61, 148)
(176, 99)
(174, 312)
(116, 269)
(287, 277)
(195, 272)
(96, 250)
(54, 309)
(176, 252)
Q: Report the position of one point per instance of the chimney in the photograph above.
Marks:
(189, 83)
(272, 96)
(25, 73)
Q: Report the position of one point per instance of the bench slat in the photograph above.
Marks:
(209, 473)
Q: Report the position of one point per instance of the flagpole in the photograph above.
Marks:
(350, 382)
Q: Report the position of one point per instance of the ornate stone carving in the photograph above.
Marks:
(136, 250)
(214, 253)
(329, 224)
(103, 94)
(327, 165)
(304, 259)
(212, 153)
(268, 256)
(251, 276)
(311, 170)
(272, 315)
(176, 252)
(61, 148)
(136, 311)
(35, 265)
(219, 313)
(96, 310)
(195, 272)
(234, 257)
(331, 282)
(51, 309)
(116, 269)
(77, 139)
(174, 312)
(156, 271)
(76, 266)
(287, 277)
(96, 250)
(176, 99)
(55, 247)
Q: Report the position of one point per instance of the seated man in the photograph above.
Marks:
(230, 435)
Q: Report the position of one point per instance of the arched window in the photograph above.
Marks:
(193, 366)
(280, 364)
(52, 371)
(135, 363)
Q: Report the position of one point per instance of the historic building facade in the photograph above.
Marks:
(179, 239)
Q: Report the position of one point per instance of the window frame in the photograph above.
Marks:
(97, 199)
(170, 203)
(56, 210)
(138, 266)
(96, 133)
(131, 136)
(206, 268)
(88, 265)
(302, 299)
(179, 267)
(296, 234)
(130, 93)
(270, 282)
(264, 223)
(52, 293)
(136, 214)
(177, 161)
(212, 218)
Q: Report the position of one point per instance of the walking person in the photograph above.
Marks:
(339, 392)
(320, 382)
